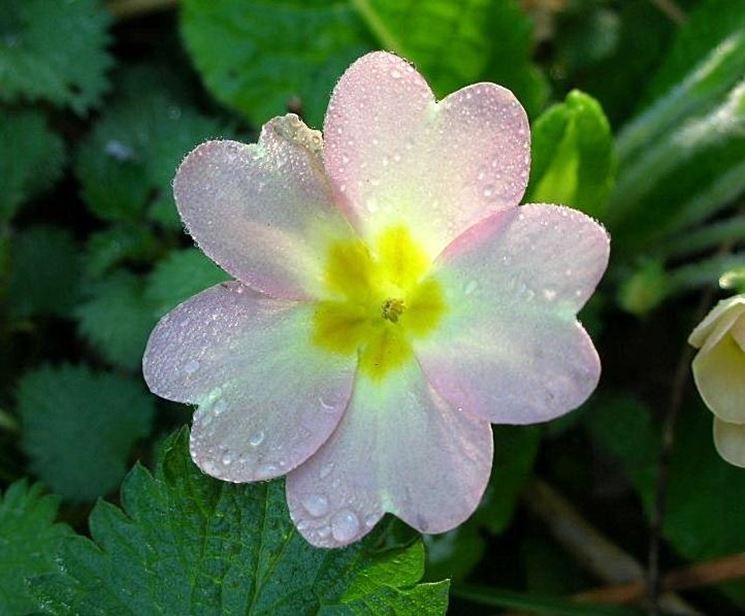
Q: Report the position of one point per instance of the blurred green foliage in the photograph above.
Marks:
(637, 120)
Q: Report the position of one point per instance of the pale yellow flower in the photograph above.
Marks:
(719, 372)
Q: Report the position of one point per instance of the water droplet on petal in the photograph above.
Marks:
(265, 471)
(326, 470)
(316, 504)
(324, 532)
(371, 520)
(220, 406)
(395, 74)
(344, 525)
(191, 366)
(227, 459)
(471, 287)
(256, 439)
(549, 294)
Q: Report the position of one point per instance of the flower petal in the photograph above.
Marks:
(264, 212)
(509, 347)
(267, 398)
(729, 439)
(400, 157)
(717, 322)
(719, 372)
(399, 449)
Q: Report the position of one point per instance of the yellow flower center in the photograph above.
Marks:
(380, 298)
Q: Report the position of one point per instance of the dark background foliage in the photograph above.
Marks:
(638, 114)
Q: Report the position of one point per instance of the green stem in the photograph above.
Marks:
(704, 272)
(705, 238)
(385, 37)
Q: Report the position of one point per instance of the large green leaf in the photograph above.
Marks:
(116, 319)
(31, 158)
(78, 426)
(263, 57)
(178, 276)
(29, 540)
(189, 544)
(573, 156)
(54, 51)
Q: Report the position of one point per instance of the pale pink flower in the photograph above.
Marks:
(719, 372)
(391, 300)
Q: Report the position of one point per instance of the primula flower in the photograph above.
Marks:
(719, 372)
(391, 300)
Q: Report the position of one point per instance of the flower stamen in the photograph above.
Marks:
(393, 308)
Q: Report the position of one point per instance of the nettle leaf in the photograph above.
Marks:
(121, 242)
(31, 158)
(180, 275)
(116, 319)
(44, 272)
(264, 57)
(127, 164)
(573, 156)
(54, 51)
(29, 539)
(78, 427)
(260, 56)
(186, 543)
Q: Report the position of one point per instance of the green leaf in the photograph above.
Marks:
(263, 57)
(127, 164)
(189, 544)
(29, 540)
(54, 51)
(180, 275)
(31, 158)
(78, 427)
(682, 159)
(573, 158)
(44, 273)
(116, 244)
(116, 319)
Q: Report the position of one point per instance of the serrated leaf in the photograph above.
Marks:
(29, 540)
(573, 157)
(116, 244)
(127, 164)
(31, 158)
(78, 427)
(44, 272)
(116, 319)
(178, 276)
(262, 57)
(189, 544)
(54, 51)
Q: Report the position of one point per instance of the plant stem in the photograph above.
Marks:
(593, 550)
(671, 9)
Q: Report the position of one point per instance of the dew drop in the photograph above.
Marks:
(371, 520)
(191, 366)
(344, 525)
(302, 524)
(488, 191)
(549, 294)
(326, 470)
(227, 459)
(324, 532)
(316, 504)
(471, 287)
(265, 471)
(256, 439)
(220, 406)
(395, 74)
(329, 408)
